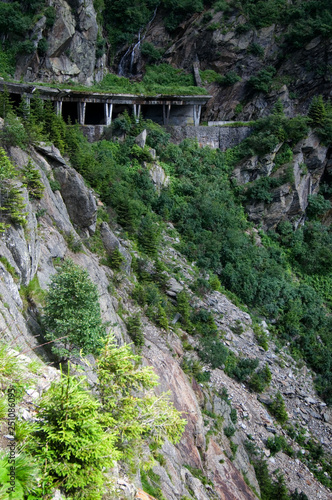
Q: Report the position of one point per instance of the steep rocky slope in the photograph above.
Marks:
(53, 227)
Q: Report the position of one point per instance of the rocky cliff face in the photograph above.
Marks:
(54, 226)
(290, 200)
(71, 46)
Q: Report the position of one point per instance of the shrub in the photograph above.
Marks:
(243, 368)
(229, 78)
(32, 180)
(42, 47)
(149, 51)
(260, 379)
(134, 327)
(256, 49)
(149, 235)
(276, 444)
(26, 476)
(212, 352)
(11, 200)
(72, 311)
(129, 405)
(71, 440)
(115, 260)
(317, 111)
(263, 80)
(229, 431)
(317, 205)
(278, 409)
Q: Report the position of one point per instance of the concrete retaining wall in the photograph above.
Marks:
(215, 137)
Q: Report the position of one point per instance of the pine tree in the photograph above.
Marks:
(12, 205)
(72, 310)
(148, 235)
(278, 109)
(317, 111)
(32, 180)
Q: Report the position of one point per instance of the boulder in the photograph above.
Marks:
(141, 139)
(79, 200)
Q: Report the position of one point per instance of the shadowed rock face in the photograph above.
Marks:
(71, 42)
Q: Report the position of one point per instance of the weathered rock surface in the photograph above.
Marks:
(79, 200)
(290, 200)
(71, 53)
(111, 243)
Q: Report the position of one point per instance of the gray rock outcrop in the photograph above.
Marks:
(71, 51)
(111, 243)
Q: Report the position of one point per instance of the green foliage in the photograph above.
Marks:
(317, 111)
(317, 205)
(149, 235)
(9, 268)
(11, 200)
(128, 403)
(278, 409)
(260, 379)
(263, 80)
(278, 108)
(233, 415)
(229, 431)
(261, 336)
(264, 13)
(32, 293)
(26, 476)
(213, 352)
(256, 49)
(270, 490)
(115, 260)
(278, 443)
(158, 79)
(134, 328)
(229, 78)
(72, 311)
(13, 132)
(151, 484)
(149, 51)
(244, 368)
(71, 440)
(74, 243)
(194, 368)
(199, 474)
(209, 76)
(32, 180)
(42, 47)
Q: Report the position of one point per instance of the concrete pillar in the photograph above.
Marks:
(197, 114)
(58, 107)
(81, 106)
(26, 105)
(108, 113)
(166, 113)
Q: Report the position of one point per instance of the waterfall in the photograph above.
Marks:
(125, 62)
